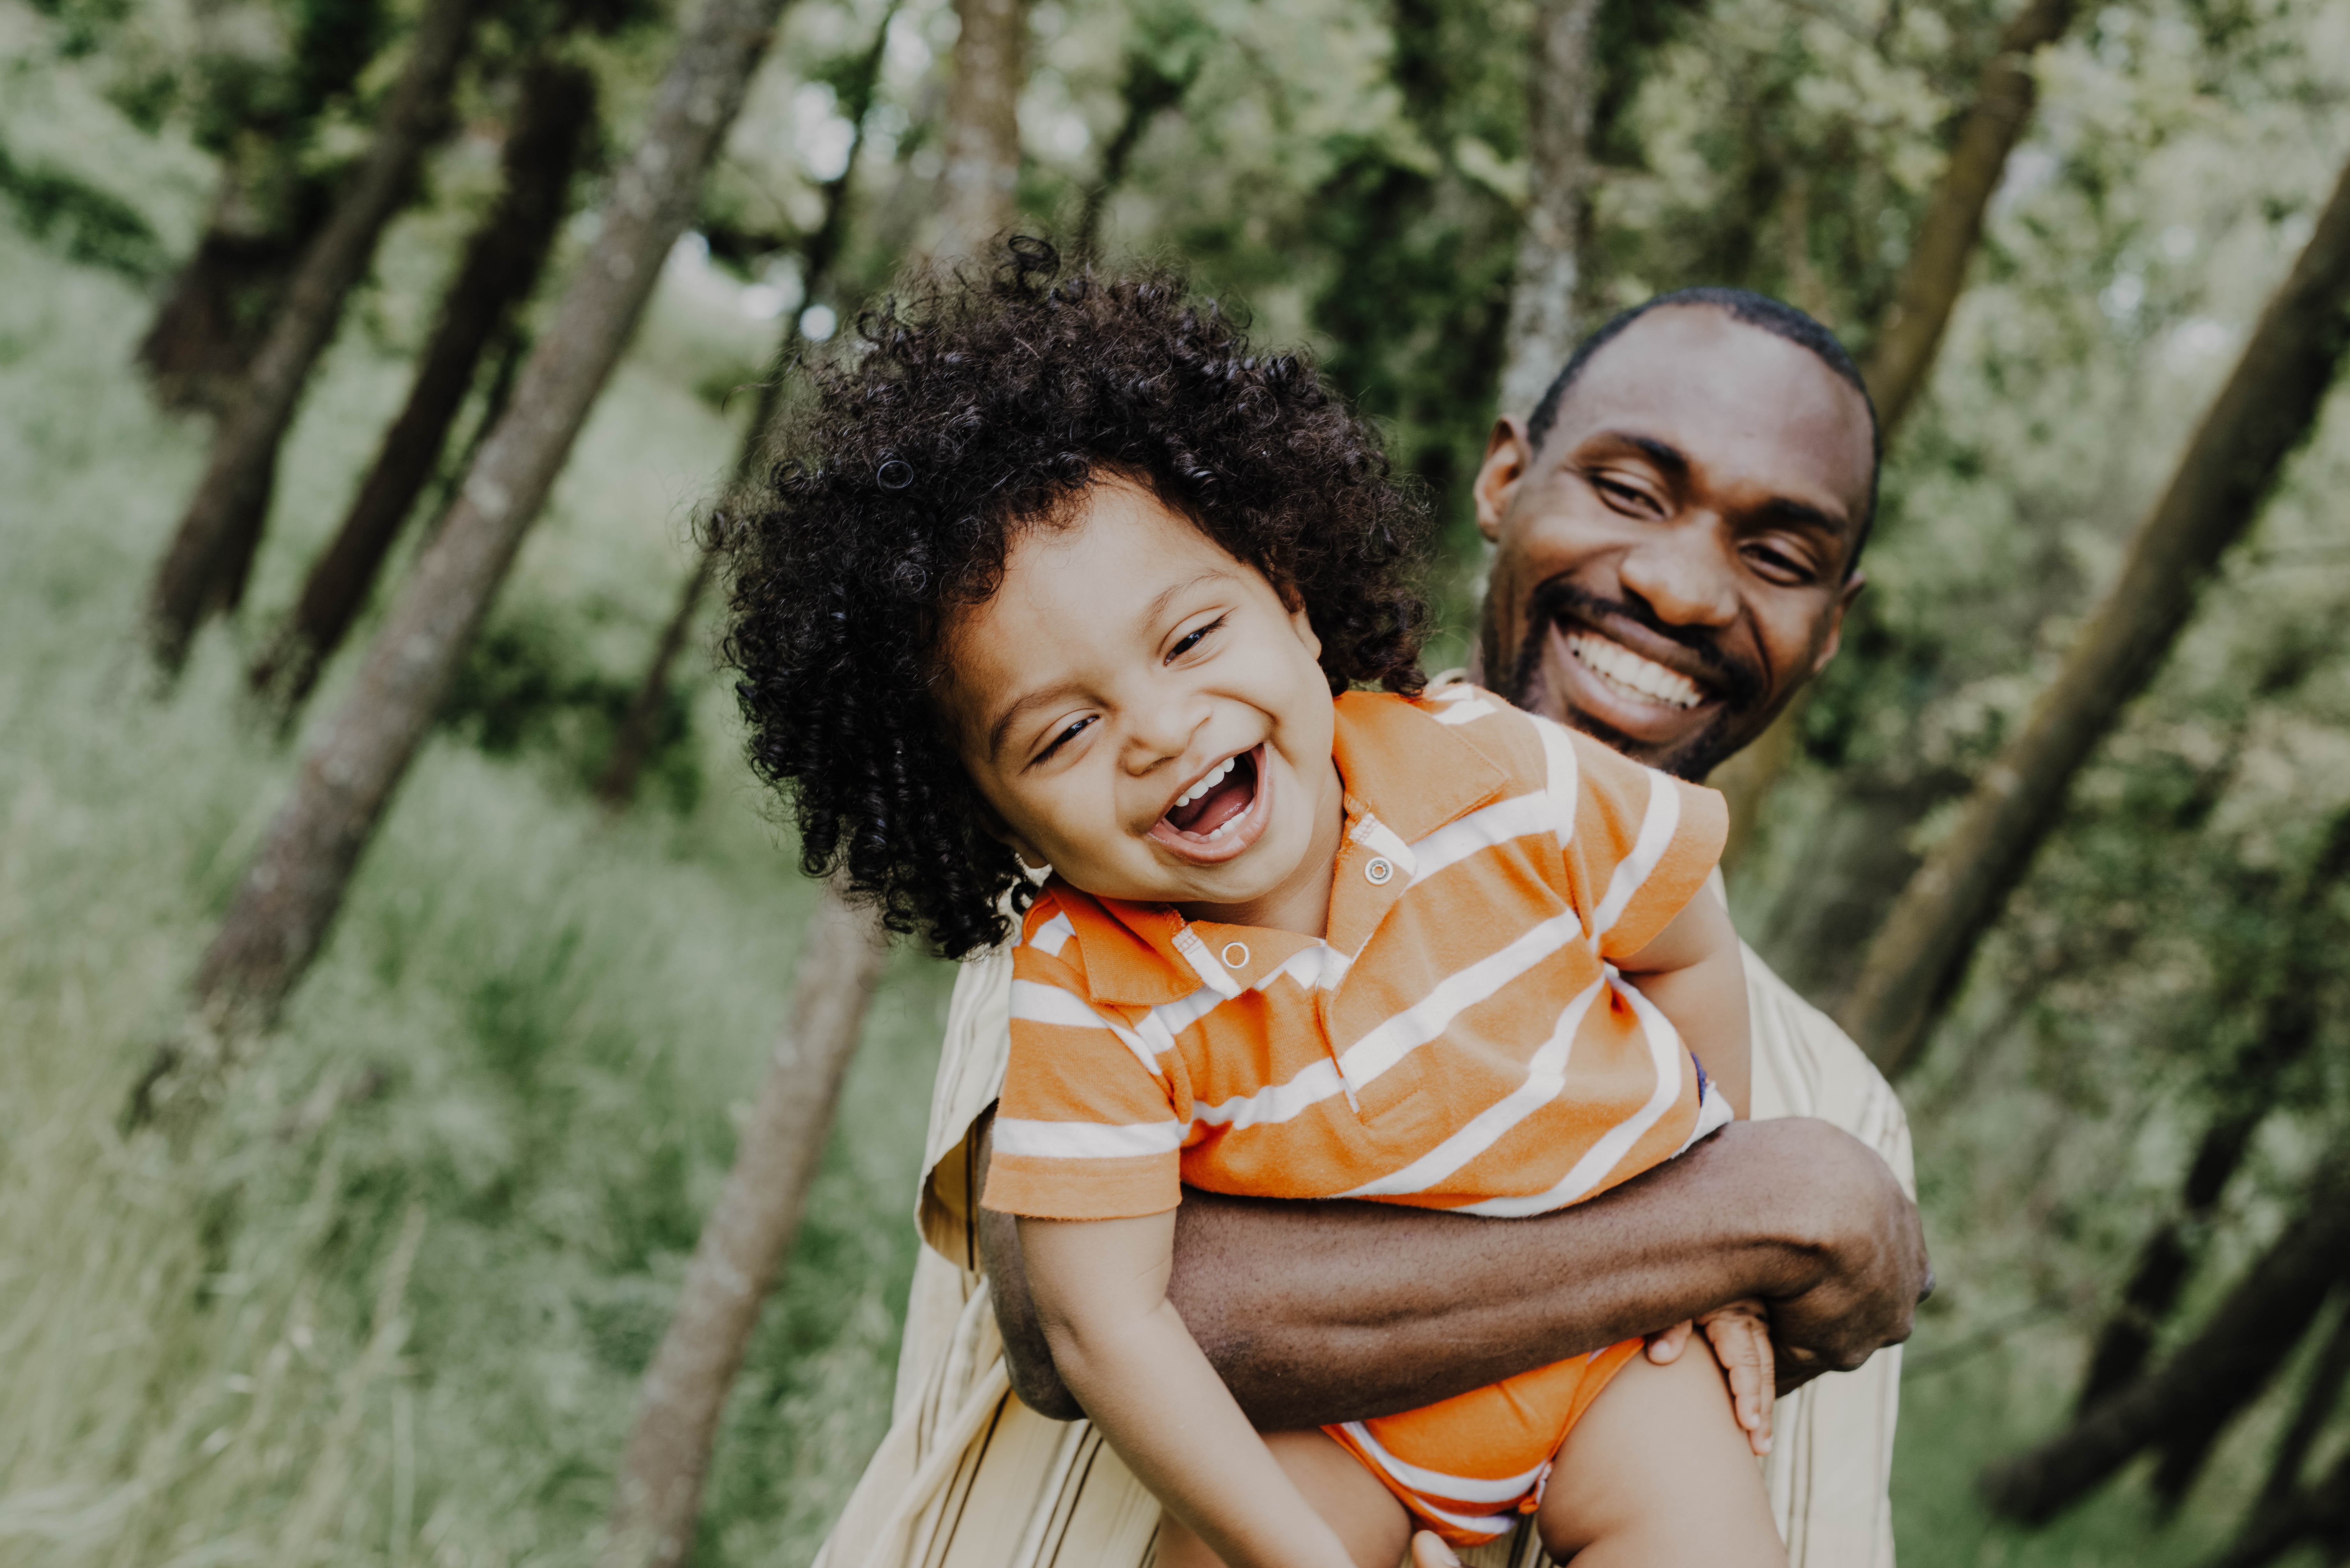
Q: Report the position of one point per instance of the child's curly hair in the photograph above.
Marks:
(967, 409)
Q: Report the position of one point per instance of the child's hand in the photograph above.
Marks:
(1740, 1337)
(1429, 1551)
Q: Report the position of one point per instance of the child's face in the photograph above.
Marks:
(1126, 661)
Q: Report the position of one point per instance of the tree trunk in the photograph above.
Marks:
(2318, 1398)
(202, 341)
(2267, 407)
(213, 545)
(292, 889)
(268, 207)
(639, 732)
(1561, 93)
(746, 1237)
(2288, 1029)
(1902, 354)
(640, 726)
(2215, 1375)
(981, 179)
(2274, 1529)
(502, 260)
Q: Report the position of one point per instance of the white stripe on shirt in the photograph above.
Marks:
(1657, 827)
(1086, 1140)
(1422, 1022)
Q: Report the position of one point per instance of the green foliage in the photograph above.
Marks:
(527, 686)
(88, 225)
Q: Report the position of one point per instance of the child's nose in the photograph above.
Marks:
(1163, 732)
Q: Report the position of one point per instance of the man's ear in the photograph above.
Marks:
(1508, 457)
(1835, 639)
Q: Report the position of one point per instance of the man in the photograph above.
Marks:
(1676, 533)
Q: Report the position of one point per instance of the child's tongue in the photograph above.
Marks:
(1220, 804)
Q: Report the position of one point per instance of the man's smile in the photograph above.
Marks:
(1634, 677)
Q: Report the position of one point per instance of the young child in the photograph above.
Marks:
(1056, 575)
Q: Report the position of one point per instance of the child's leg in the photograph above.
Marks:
(1658, 1474)
(1366, 1515)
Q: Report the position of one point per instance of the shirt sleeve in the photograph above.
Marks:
(1643, 844)
(1086, 1128)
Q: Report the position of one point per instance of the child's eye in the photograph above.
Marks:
(1058, 740)
(1191, 640)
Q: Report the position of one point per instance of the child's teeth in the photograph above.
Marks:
(1215, 777)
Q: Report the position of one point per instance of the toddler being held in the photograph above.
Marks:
(1055, 574)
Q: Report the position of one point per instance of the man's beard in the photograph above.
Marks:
(1742, 688)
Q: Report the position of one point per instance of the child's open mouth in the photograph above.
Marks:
(1220, 813)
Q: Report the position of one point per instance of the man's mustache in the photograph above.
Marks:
(1740, 684)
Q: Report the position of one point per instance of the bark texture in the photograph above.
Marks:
(2267, 407)
(1562, 92)
(1902, 354)
(2213, 1376)
(213, 548)
(502, 261)
(979, 184)
(639, 732)
(742, 1244)
(288, 896)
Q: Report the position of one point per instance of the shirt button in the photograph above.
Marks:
(1379, 872)
(1236, 955)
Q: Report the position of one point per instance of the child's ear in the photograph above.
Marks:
(995, 827)
(1295, 603)
(1300, 623)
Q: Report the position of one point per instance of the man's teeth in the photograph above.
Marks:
(1643, 676)
(1215, 776)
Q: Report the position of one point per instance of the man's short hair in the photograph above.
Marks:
(1776, 316)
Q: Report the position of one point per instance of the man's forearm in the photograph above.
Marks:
(1321, 1312)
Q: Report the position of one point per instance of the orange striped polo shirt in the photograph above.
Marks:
(1458, 1039)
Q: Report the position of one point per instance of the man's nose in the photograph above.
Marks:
(1687, 575)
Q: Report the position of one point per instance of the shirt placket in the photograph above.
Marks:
(1374, 869)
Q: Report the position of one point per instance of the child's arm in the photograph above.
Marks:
(1101, 1288)
(1695, 975)
(1693, 972)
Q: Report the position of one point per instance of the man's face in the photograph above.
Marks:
(1675, 562)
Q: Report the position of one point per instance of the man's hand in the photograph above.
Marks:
(1869, 1264)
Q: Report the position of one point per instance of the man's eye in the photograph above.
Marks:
(1191, 640)
(1778, 562)
(1623, 497)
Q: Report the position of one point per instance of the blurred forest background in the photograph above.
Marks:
(310, 308)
